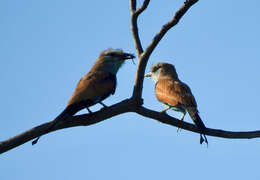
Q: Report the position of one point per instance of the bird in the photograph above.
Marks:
(175, 94)
(99, 83)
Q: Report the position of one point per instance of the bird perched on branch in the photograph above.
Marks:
(97, 85)
(175, 94)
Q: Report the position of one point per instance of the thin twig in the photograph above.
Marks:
(134, 26)
(143, 7)
(138, 88)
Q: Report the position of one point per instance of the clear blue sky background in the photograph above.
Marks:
(47, 46)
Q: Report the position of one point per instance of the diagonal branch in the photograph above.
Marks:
(143, 7)
(138, 88)
(164, 118)
(81, 120)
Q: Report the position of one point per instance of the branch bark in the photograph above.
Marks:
(134, 28)
(80, 120)
(164, 118)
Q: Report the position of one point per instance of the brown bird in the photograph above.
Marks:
(94, 87)
(175, 94)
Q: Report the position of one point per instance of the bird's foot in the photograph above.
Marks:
(179, 129)
(163, 111)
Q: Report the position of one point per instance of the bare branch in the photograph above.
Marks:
(164, 118)
(178, 15)
(143, 7)
(134, 27)
(106, 113)
(133, 5)
(81, 120)
(138, 88)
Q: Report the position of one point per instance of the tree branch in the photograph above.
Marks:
(138, 87)
(143, 7)
(133, 5)
(82, 120)
(134, 27)
(127, 105)
(164, 118)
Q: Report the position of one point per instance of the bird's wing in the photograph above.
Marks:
(174, 93)
(94, 87)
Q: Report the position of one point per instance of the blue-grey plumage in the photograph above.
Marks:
(99, 83)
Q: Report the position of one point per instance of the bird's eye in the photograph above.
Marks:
(155, 68)
(112, 54)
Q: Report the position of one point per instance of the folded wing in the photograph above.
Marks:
(93, 88)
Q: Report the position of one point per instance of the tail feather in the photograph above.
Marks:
(67, 112)
(70, 110)
(199, 123)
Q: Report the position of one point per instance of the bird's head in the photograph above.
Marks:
(161, 70)
(111, 60)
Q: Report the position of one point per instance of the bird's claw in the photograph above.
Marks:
(163, 111)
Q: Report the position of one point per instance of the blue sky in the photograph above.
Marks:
(47, 46)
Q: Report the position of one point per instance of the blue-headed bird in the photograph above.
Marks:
(175, 94)
(99, 83)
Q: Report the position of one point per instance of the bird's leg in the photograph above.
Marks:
(103, 104)
(166, 109)
(181, 119)
(89, 111)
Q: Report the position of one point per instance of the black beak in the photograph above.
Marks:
(128, 56)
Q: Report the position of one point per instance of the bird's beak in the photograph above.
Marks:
(149, 74)
(128, 56)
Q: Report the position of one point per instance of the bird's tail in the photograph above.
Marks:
(199, 123)
(67, 112)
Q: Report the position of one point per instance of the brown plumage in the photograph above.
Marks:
(175, 94)
(91, 86)
(96, 85)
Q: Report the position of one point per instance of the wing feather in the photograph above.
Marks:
(174, 93)
(95, 86)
